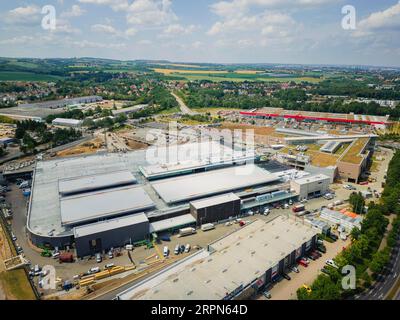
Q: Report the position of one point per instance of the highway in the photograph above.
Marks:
(386, 281)
(184, 108)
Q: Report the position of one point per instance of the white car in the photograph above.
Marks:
(94, 270)
(266, 212)
(331, 263)
(343, 236)
(187, 248)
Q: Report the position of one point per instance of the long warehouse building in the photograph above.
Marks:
(234, 267)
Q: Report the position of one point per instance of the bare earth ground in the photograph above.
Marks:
(83, 148)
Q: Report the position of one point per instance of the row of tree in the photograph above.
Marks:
(364, 253)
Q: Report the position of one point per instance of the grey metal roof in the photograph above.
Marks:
(199, 185)
(101, 204)
(175, 222)
(238, 259)
(212, 201)
(92, 182)
(107, 225)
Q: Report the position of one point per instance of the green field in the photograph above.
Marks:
(26, 76)
(234, 77)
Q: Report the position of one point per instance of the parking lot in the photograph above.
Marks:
(286, 290)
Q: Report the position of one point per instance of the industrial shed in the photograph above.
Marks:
(235, 267)
(195, 186)
(89, 207)
(95, 182)
(215, 208)
(172, 224)
(101, 236)
(62, 122)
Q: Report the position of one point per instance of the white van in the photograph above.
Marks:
(129, 247)
(166, 251)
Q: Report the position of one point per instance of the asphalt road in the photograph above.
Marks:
(386, 281)
(184, 108)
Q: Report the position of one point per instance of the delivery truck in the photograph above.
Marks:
(207, 227)
(186, 232)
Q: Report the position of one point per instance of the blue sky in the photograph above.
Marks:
(223, 31)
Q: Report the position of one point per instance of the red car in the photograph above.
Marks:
(303, 263)
(364, 183)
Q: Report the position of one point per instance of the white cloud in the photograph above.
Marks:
(76, 11)
(116, 5)
(23, 15)
(103, 28)
(151, 13)
(109, 29)
(176, 29)
(238, 7)
(388, 19)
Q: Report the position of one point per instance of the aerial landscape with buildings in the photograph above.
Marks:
(212, 162)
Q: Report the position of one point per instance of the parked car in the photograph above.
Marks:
(303, 263)
(19, 249)
(13, 237)
(294, 269)
(177, 249)
(182, 249)
(325, 270)
(266, 211)
(267, 294)
(286, 276)
(99, 259)
(94, 270)
(343, 236)
(331, 263)
(307, 288)
(110, 254)
(109, 266)
(333, 236)
(187, 248)
(321, 248)
(166, 251)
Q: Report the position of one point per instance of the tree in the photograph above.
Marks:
(357, 201)
(355, 233)
(379, 260)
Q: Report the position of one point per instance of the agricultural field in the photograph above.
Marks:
(234, 76)
(26, 76)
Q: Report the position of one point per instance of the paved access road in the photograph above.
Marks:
(184, 108)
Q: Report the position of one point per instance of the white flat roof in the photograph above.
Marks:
(311, 178)
(212, 201)
(67, 121)
(199, 185)
(111, 224)
(88, 183)
(192, 156)
(240, 258)
(101, 204)
(175, 222)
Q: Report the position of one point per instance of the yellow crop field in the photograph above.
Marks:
(179, 65)
(247, 71)
(170, 71)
